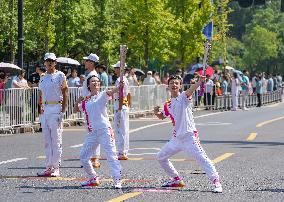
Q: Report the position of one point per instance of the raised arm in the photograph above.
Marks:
(158, 113)
(76, 105)
(115, 89)
(194, 86)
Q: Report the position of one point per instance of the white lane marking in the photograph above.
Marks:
(77, 145)
(148, 126)
(155, 124)
(12, 160)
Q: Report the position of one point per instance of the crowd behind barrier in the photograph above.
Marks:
(19, 107)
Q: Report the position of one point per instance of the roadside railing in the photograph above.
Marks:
(19, 107)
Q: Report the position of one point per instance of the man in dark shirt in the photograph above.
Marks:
(35, 77)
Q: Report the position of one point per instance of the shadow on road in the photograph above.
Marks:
(268, 190)
(124, 189)
(222, 142)
(242, 143)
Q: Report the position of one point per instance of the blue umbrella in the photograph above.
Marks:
(238, 72)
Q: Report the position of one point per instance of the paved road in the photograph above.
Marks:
(246, 146)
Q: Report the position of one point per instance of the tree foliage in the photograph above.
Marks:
(164, 32)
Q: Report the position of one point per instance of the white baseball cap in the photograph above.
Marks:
(93, 57)
(50, 56)
(117, 65)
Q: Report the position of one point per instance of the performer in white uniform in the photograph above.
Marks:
(99, 131)
(185, 136)
(91, 61)
(53, 100)
(121, 116)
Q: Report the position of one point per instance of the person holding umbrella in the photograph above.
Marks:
(132, 78)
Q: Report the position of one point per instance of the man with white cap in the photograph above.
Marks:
(53, 101)
(121, 116)
(91, 62)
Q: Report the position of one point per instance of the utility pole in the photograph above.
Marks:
(20, 34)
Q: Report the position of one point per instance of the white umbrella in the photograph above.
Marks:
(9, 68)
(229, 68)
(139, 72)
(69, 61)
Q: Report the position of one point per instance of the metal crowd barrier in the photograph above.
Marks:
(19, 107)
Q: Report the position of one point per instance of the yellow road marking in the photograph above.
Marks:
(125, 197)
(251, 137)
(41, 157)
(135, 159)
(269, 121)
(222, 157)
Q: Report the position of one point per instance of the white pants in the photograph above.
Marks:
(235, 103)
(121, 126)
(97, 152)
(189, 143)
(244, 100)
(105, 137)
(52, 128)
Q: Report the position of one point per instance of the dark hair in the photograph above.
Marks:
(2, 75)
(174, 78)
(22, 72)
(102, 66)
(96, 64)
(88, 81)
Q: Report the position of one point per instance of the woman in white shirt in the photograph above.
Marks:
(235, 86)
(99, 131)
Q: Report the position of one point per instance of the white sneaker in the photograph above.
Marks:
(91, 183)
(45, 173)
(175, 182)
(117, 184)
(55, 172)
(245, 109)
(217, 187)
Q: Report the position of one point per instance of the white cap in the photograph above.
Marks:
(149, 72)
(93, 57)
(50, 56)
(118, 64)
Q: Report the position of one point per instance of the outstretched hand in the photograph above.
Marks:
(156, 109)
(80, 99)
(202, 78)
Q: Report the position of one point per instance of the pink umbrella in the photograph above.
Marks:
(209, 71)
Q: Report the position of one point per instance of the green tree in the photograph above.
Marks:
(261, 45)
(8, 30)
(193, 16)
